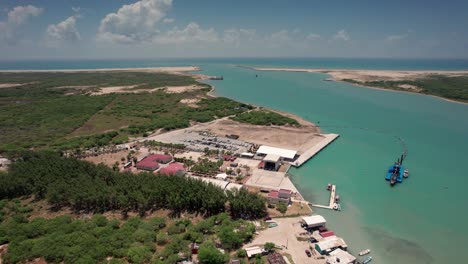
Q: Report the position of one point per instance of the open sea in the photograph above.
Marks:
(422, 220)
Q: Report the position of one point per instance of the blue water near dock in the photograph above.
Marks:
(422, 220)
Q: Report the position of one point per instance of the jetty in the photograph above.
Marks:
(328, 138)
(332, 200)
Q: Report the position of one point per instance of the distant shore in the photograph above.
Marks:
(364, 78)
(171, 69)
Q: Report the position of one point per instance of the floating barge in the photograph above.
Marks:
(397, 172)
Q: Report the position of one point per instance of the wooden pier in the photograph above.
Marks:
(332, 200)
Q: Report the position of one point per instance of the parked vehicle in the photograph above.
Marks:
(308, 253)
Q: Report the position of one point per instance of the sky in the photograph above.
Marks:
(87, 29)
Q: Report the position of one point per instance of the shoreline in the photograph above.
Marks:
(393, 75)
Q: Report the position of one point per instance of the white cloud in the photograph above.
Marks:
(280, 36)
(16, 17)
(168, 20)
(135, 22)
(396, 37)
(20, 14)
(342, 35)
(191, 33)
(312, 37)
(235, 36)
(64, 31)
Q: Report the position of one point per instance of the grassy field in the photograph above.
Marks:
(42, 113)
(454, 88)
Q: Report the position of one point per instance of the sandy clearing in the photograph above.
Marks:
(147, 69)
(296, 138)
(191, 102)
(11, 85)
(130, 89)
(182, 89)
(285, 234)
(78, 87)
(370, 75)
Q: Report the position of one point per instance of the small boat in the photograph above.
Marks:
(364, 252)
(337, 207)
(367, 260)
(337, 198)
(406, 174)
(329, 186)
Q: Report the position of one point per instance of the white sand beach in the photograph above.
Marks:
(369, 75)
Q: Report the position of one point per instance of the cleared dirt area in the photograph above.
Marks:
(285, 234)
(295, 138)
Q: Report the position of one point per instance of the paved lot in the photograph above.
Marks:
(285, 233)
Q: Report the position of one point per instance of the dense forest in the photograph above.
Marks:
(136, 240)
(83, 186)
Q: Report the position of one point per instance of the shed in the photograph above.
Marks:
(340, 256)
(221, 176)
(253, 251)
(284, 153)
(314, 221)
(247, 155)
(327, 234)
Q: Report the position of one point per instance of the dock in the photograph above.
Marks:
(328, 138)
(332, 200)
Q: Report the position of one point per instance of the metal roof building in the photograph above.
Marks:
(314, 221)
(284, 153)
(329, 244)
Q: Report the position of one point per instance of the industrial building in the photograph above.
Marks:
(285, 154)
(327, 245)
(314, 221)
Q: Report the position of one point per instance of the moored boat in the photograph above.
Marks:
(367, 260)
(364, 252)
(329, 187)
(406, 174)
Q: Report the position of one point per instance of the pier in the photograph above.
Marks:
(332, 200)
(328, 138)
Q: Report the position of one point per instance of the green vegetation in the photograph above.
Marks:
(455, 88)
(206, 166)
(63, 239)
(264, 118)
(282, 208)
(83, 186)
(47, 112)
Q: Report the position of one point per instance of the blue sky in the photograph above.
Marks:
(34, 29)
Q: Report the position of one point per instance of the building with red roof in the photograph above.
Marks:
(281, 196)
(148, 163)
(162, 158)
(174, 168)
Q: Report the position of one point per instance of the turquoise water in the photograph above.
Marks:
(422, 220)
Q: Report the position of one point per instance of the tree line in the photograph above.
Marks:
(86, 187)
